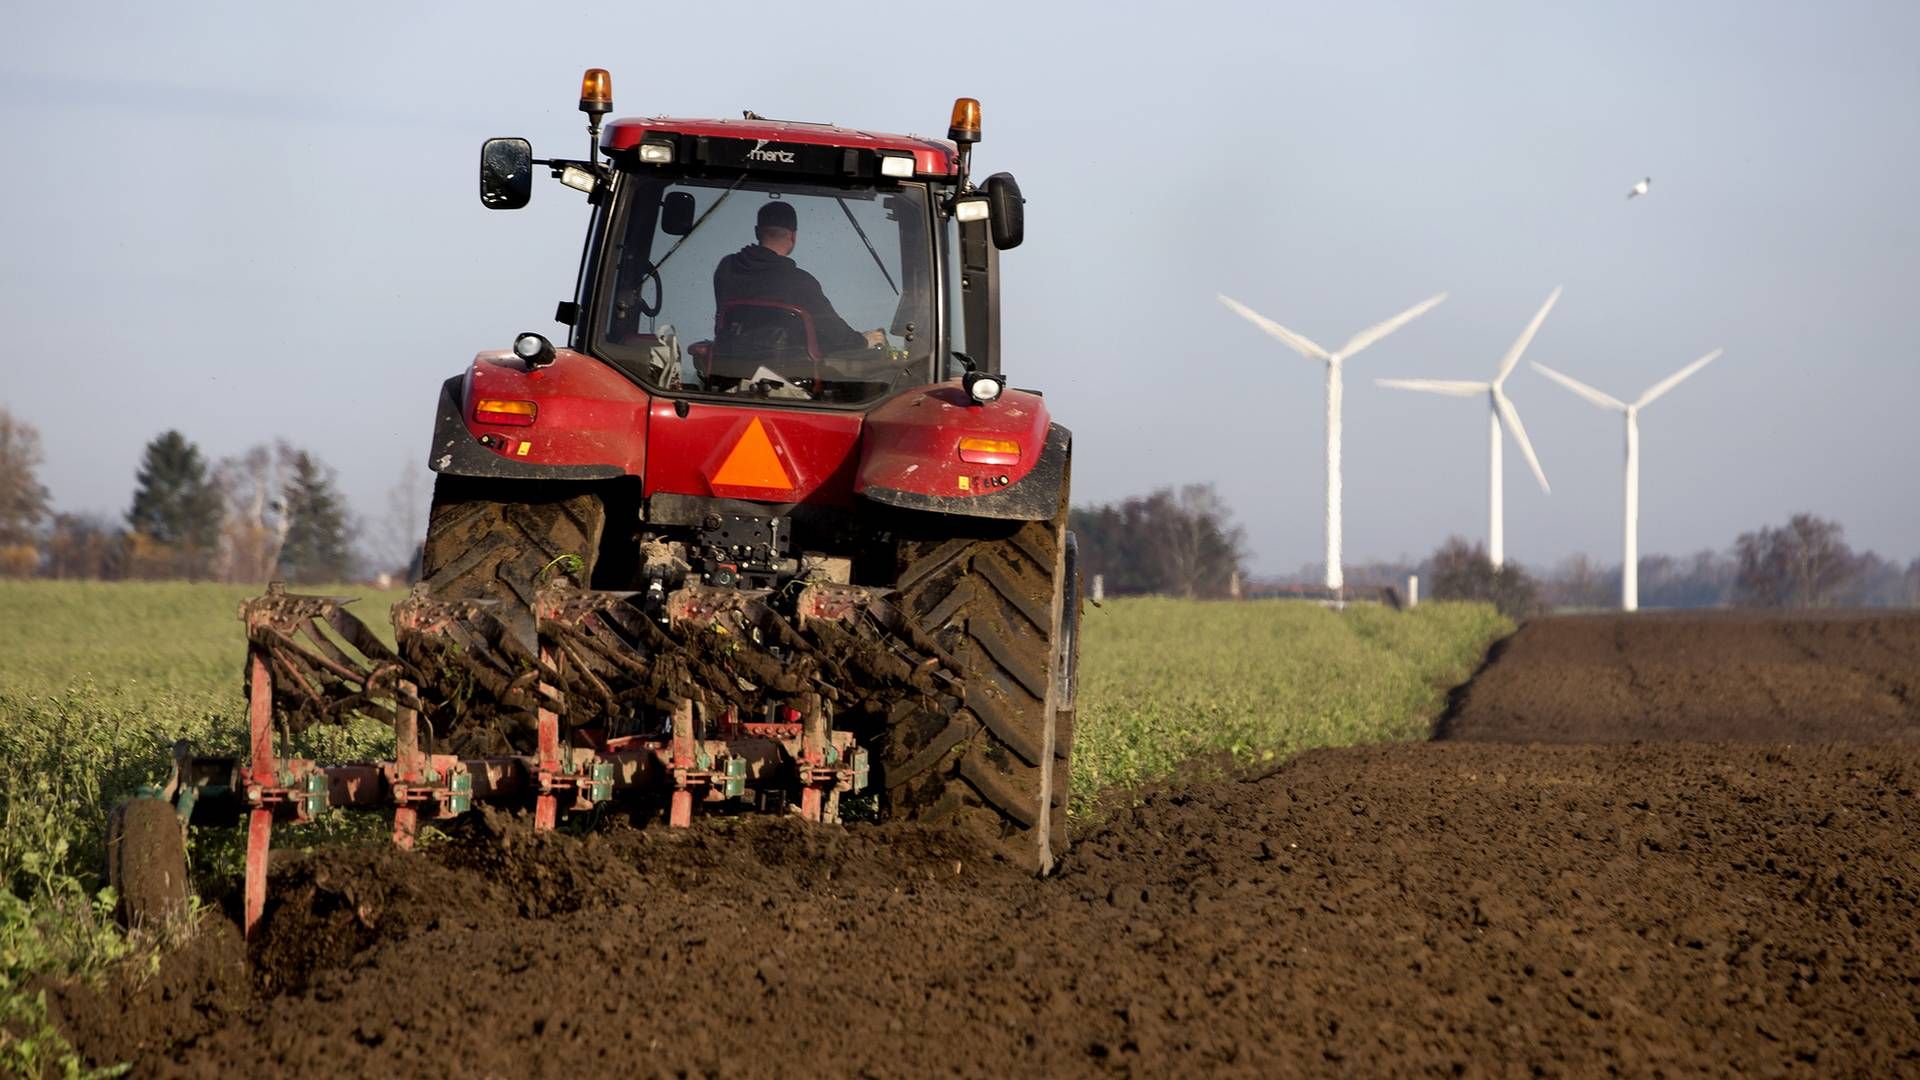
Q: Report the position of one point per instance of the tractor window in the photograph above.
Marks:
(772, 288)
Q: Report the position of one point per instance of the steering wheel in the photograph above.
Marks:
(651, 273)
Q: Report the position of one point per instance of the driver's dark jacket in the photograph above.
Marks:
(756, 273)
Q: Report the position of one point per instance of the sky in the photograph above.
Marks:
(253, 221)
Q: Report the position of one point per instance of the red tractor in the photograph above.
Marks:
(767, 531)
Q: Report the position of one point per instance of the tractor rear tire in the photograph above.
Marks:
(146, 862)
(1006, 606)
(501, 540)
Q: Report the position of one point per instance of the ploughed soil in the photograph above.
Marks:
(1739, 890)
(1725, 675)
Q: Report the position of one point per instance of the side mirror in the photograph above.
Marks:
(676, 213)
(1008, 217)
(506, 173)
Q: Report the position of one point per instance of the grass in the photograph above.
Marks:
(1163, 681)
(96, 682)
(98, 679)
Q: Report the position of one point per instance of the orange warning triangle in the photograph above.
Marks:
(752, 462)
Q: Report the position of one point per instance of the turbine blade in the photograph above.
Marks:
(1602, 399)
(1674, 379)
(1450, 387)
(1294, 341)
(1525, 339)
(1511, 417)
(1379, 330)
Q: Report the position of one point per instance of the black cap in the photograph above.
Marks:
(778, 215)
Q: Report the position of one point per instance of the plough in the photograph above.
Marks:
(642, 729)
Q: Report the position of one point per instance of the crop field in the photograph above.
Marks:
(99, 679)
(1651, 844)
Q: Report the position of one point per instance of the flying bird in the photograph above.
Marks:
(1641, 187)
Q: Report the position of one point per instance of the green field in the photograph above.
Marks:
(98, 679)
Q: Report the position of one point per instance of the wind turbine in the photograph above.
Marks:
(1630, 564)
(1500, 409)
(1335, 579)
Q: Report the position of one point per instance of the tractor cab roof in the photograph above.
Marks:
(931, 157)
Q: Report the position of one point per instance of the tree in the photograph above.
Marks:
(402, 529)
(1579, 582)
(83, 546)
(1195, 541)
(318, 541)
(1462, 571)
(176, 510)
(23, 502)
(1177, 542)
(1804, 564)
(1913, 583)
(251, 484)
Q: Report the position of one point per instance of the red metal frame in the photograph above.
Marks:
(416, 785)
(912, 441)
(590, 414)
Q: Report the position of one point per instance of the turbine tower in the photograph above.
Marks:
(1335, 579)
(1630, 564)
(1500, 409)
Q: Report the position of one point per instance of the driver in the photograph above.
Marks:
(765, 270)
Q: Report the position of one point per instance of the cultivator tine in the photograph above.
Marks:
(547, 764)
(315, 680)
(813, 751)
(261, 773)
(684, 759)
(409, 768)
(259, 840)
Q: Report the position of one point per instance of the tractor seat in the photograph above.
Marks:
(752, 334)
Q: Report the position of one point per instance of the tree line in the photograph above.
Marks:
(275, 511)
(272, 512)
(1804, 563)
(1174, 541)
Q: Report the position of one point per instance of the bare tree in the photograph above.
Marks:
(23, 502)
(1579, 582)
(1804, 564)
(400, 530)
(252, 484)
(1198, 547)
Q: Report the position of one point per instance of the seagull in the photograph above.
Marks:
(1641, 187)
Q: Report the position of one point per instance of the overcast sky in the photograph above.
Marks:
(247, 221)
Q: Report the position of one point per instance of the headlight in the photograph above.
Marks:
(535, 349)
(982, 387)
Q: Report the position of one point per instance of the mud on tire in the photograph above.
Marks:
(146, 862)
(494, 540)
(1005, 605)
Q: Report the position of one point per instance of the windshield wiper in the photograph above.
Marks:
(855, 222)
(702, 221)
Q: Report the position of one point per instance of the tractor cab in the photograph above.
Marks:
(777, 262)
